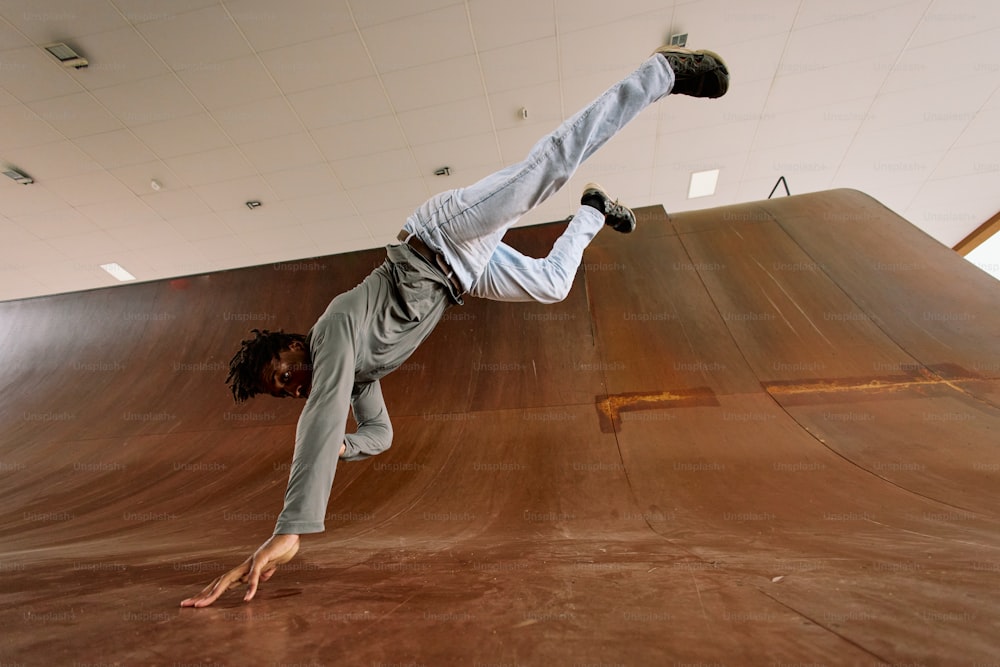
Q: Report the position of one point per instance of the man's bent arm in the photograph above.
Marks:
(374, 434)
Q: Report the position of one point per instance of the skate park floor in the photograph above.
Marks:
(764, 434)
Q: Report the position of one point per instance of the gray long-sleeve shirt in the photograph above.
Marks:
(363, 335)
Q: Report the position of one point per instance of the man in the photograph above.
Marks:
(449, 247)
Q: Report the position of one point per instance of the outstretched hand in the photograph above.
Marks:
(259, 567)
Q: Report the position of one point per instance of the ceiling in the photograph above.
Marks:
(335, 114)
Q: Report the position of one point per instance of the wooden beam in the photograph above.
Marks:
(979, 236)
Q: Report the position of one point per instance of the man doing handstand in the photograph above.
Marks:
(449, 247)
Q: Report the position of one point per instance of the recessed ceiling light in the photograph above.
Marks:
(703, 183)
(118, 272)
(18, 177)
(67, 56)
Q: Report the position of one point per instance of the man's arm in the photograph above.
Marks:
(319, 440)
(374, 434)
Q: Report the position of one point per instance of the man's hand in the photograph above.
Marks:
(259, 567)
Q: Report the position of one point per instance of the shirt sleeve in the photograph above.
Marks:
(374, 434)
(320, 429)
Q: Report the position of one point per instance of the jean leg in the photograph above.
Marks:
(511, 276)
(466, 225)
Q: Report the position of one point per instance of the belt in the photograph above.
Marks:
(434, 258)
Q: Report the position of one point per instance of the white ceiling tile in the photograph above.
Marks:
(6, 98)
(15, 233)
(279, 153)
(387, 167)
(573, 15)
(62, 222)
(327, 207)
(398, 195)
(21, 127)
(807, 89)
(229, 249)
(31, 74)
(599, 52)
(199, 227)
(272, 244)
(837, 16)
(195, 39)
(752, 60)
(268, 118)
(76, 115)
(328, 233)
(215, 166)
(839, 119)
(91, 244)
(704, 145)
(117, 57)
(372, 12)
(542, 102)
(418, 40)
(302, 181)
(150, 235)
(147, 101)
(226, 84)
(89, 188)
(272, 215)
(18, 200)
(169, 260)
(269, 25)
(10, 38)
(140, 11)
(800, 161)
(321, 62)
(372, 135)
(970, 60)
(234, 193)
(119, 148)
(521, 66)
(119, 213)
(716, 24)
(983, 128)
(52, 160)
(182, 136)
(429, 85)
(949, 19)
(341, 103)
(502, 24)
(138, 177)
(449, 121)
(55, 20)
(176, 203)
(461, 156)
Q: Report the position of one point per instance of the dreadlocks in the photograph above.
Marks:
(247, 365)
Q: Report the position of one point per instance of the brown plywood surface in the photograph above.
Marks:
(763, 434)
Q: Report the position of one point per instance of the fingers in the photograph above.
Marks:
(253, 581)
(220, 585)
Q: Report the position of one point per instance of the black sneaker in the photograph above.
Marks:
(698, 73)
(617, 216)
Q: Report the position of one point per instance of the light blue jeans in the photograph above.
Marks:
(467, 225)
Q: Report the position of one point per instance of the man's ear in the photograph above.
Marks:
(296, 345)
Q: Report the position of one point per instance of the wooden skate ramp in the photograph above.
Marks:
(766, 434)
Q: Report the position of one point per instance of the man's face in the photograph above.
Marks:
(290, 374)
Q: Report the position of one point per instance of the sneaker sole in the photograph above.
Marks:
(595, 187)
(692, 52)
